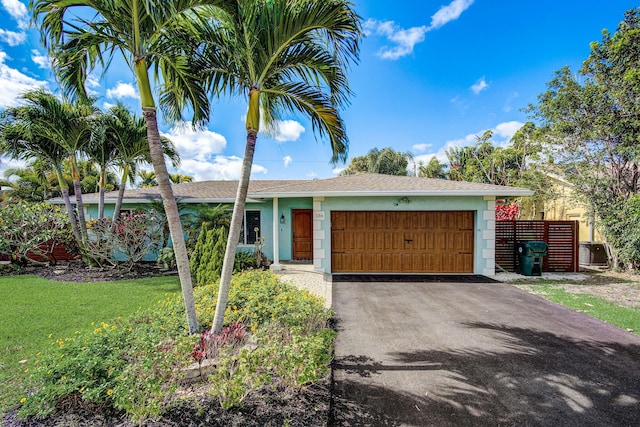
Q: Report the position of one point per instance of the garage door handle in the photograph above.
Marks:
(408, 240)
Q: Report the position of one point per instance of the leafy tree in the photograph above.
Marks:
(33, 130)
(29, 232)
(147, 179)
(386, 161)
(129, 134)
(286, 56)
(591, 124)
(158, 37)
(433, 169)
(178, 178)
(30, 184)
(519, 164)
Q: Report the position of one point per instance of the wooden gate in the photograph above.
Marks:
(561, 236)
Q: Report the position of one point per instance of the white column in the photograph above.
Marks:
(276, 266)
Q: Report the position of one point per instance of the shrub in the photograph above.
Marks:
(132, 237)
(208, 255)
(128, 365)
(289, 325)
(29, 232)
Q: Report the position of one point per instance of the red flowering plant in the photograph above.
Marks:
(507, 211)
(210, 343)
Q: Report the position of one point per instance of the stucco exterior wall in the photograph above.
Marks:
(484, 230)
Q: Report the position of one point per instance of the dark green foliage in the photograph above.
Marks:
(591, 123)
(386, 161)
(208, 255)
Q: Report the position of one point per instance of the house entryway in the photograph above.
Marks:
(302, 234)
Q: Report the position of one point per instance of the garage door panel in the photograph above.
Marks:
(411, 242)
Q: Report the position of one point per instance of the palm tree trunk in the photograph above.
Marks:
(172, 215)
(77, 188)
(234, 231)
(101, 184)
(121, 188)
(64, 190)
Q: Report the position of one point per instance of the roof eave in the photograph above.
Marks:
(444, 193)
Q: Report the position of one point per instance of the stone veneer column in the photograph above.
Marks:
(489, 238)
(319, 234)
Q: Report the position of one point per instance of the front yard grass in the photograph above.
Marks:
(32, 309)
(606, 295)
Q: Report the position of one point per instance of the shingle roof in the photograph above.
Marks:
(377, 184)
(341, 186)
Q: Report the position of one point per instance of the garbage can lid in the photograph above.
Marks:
(537, 246)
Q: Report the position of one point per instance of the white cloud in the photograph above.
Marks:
(122, 90)
(421, 147)
(508, 103)
(197, 145)
(107, 105)
(41, 60)
(18, 11)
(506, 130)
(502, 134)
(311, 175)
(221, 168)
(337, 171)
(404, 40)
(479, 86)
(288, 130)
(12, 38)
(14, 83)
(449, 13)
(91, 83)
(287, 160)
(9, 163)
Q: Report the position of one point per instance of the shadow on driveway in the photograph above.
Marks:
(412, 354)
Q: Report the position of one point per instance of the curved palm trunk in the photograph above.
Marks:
(234, 231)
(172, 216)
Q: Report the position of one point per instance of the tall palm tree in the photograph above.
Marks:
(157, 36)
(129, 133)
(286, 56)
(33, 130)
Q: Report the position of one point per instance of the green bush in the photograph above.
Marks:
(132, 365)
(208, 255)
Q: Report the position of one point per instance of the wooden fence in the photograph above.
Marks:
(561, 236)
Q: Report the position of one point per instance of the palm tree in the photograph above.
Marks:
(32, 130)
(161, 36)
(287, 56)
(147, 179)
(130, 135)
(178, 178)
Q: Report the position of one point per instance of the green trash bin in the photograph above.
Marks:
(530, 257)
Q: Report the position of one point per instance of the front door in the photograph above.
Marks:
(302, 233)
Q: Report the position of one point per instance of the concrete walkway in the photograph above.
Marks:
(453, 354)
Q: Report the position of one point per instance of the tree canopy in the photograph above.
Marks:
(591, 126)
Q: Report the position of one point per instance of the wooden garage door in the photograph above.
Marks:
(402, 242)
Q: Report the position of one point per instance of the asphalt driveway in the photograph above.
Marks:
(421, 354)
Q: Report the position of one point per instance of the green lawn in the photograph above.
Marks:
(626, 318)
(33, 309)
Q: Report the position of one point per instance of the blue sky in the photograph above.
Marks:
(432, 74)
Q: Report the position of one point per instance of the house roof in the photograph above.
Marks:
(341, 186)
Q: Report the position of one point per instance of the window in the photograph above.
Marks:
(250, 231)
